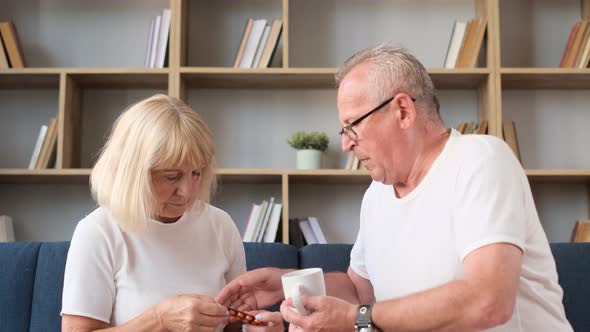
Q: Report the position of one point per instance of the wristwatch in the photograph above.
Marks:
(363, 321)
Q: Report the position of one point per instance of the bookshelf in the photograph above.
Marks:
(89, 81)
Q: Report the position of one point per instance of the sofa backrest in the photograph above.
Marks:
(31, 277)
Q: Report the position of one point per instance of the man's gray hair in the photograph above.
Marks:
(393, 69)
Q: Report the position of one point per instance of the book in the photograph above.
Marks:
(261, 45)
(317, 229)
(295, 235)
(252, 44)
(12, 45)
(307, 232)
(576, 45)
(584, 54)
(155, 38)
(38, 145)
(49, 144)
(468, 44)
(251, 223)
(455, 43)
(6, 229)
(568, 44)
(150, 42)
(349, 160)
(270, 235)
(581, 231)
(479, 37)
(262, 229)
(163, 37)
(482, 128)
(271, 44)
(509, 130)
(243, 43)
(3, 57)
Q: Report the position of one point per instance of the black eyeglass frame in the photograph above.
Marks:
(348, 129)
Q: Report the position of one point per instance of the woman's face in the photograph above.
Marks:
(175, 190)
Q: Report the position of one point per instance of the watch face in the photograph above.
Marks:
(364, 329)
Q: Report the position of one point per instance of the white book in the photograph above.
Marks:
(307, 231)
(6, 229)
(38, 144)
(251, 224)
(455, 44)
(259, 220)
(262, 229)
(270, 235)
(261, 46)
(317, 229)
(148, 52)
(155, 38)
(252, 45)
(163, 38)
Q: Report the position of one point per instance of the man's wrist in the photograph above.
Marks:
(363, 319)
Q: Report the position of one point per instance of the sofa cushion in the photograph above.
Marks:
(330, 257)
(270, 254)
(18, 263)
(573, 269)
(48, 286)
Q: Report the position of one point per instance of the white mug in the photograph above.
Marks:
(303, 282)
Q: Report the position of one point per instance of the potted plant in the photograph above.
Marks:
(309, 146)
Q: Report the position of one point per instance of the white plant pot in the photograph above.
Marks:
(309, 159)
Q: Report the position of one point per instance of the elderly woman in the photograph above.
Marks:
(154, 253)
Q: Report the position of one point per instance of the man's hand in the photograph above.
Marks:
(327, 314)
(256, 289)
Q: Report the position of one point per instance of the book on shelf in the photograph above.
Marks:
(49, 145)
(576, 53)
(3, 57)
(296, 238)
(455, 43)
(509, 132)
(581, 231)
(482, 127)
(271, 44)
(150, 43)
(154, 42)
(263, 223)
(158, 40)
(261, 44)
(349, 160)
(252, 44)
(38, 145)
(317, 230)
(307, 232)
(163, 37)
(12, 45)
(6, 229)
(243, 43)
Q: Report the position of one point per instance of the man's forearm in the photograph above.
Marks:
(452, 307)
(339, 285)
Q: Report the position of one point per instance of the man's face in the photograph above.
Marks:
(375, 134)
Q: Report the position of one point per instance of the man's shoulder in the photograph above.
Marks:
(480, 147)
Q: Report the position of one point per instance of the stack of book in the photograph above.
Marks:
(263, 223)
(581, 231)
(6, 229)
(11, 54)
(157, 45)
(259, 44)
(465, 43)
(576, 53)
(352, 162)
(45, 148)
(470, 127)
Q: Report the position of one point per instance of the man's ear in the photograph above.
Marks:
(407, 111)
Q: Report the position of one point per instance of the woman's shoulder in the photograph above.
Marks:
(98, 223)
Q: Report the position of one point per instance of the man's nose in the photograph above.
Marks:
(347, 143)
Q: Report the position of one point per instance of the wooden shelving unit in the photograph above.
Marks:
(488, 82)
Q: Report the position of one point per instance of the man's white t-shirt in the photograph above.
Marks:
(475, 194)
(114, 276)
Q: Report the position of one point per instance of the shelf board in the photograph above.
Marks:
(270, 176)
(120, 77)
(559, 175)
(26, 78)
(308, 78)
(545, 78)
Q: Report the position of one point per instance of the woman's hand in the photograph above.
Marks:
(273, 321)
(191, 312)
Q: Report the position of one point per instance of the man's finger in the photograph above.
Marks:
(291, 315)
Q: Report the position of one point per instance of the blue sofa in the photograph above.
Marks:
(31, 278)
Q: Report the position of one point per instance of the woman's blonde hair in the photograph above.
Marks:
(159, 132)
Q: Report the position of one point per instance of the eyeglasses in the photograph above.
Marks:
(350, 133)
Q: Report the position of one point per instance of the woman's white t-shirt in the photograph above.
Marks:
(114, 276)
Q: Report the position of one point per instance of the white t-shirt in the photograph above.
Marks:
(114, 276)
(475, 194)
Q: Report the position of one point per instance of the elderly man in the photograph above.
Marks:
(449, 236)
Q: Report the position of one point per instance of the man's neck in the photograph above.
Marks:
(433, 146)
